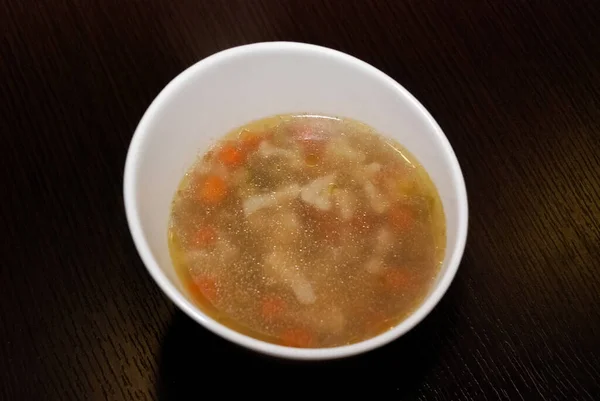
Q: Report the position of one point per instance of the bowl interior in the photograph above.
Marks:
(243, 84)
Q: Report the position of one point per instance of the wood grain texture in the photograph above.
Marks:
(515, 85)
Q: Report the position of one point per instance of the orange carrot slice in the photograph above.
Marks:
(204, 287)
(213, 190)
(230, 155)
(299, 338)
(205, 236)
(402, 217)
(272, 307)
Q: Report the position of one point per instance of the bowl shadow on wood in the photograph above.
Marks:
(193, 360)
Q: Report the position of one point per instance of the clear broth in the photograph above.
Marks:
(307, 231)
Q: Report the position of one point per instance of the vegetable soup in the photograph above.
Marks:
(307, 231)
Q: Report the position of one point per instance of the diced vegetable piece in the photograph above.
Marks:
(376, 199)
(375, 265)
(230, 155)
(282, 268)
(210, 168)
(384, 241)
(402, 217)
(303, 291)
(398, 180)
(257, 202)
(277, 264)
(346, 203)
(194, 291)
(250, 141)
(339, 148)
(205, 236)
(272, 307)
(317, 192)
(213, 190)
(367, 173)
(205, 286)
(277, 226)
(298, 337)
(223, 254)
(288, 227)
(267, 149)
(372, 169)
(227, 251)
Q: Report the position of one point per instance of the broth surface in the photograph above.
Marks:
(307, 231)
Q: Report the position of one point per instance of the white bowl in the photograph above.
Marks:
(245, 83)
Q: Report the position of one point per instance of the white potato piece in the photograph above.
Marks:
(220, 257)
(276, 226)
(287, 227)
(267, 150)
(375, 265)
(277, 265)
(227, 251)
(366, 172)
(281, 268)
(303, 291)
(212, 168)
(345, 202)
(282, 195)
(339, 149)
(377, 200)
(383, 243)
(317, 193)
(372, 169)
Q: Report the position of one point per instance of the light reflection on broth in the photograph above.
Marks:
(307, 231)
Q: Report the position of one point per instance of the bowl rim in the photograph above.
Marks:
(175, 295)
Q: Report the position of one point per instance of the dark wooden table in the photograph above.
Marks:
(514, 84)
